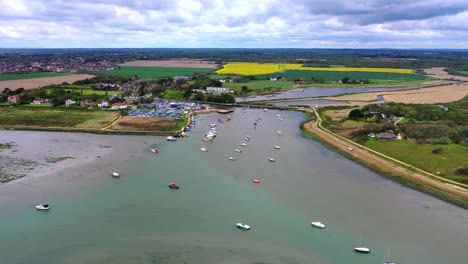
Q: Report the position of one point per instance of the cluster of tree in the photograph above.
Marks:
(203, 81)
(443, 132)
(217, 98)
(348, 80)
(7, 92)
(104, 79)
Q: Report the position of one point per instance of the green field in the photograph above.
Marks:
(19, 76)
(154, 72)
(453, 157)
(64, 118)
(463, 72)
(334, 76)
(173, 94)
(87, 91)
(257, 85)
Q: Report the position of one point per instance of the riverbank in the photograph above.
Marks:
(410, 178)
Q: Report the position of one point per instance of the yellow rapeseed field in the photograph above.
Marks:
(252, 68)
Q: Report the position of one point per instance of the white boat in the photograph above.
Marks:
(43, 207)
(279, 132)
(244, 144)
(238, 150)
(318, 225)
(276, 147)
(362, 250)
(207, 138)
(232, 158)
(171, 138)
(247, 139)
(243, 226)
(271, 159)
(278, 115)
(280, 119)
(203, 149)
(115, 175)
(265, 109)
(350, 148)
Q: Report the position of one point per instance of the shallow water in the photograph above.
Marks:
(137, 219)
(319, 91)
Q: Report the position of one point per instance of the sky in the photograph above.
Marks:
(234, 24)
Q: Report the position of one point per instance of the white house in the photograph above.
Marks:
(218, 90)
(119, 106)
(69, 102)
(103, 104)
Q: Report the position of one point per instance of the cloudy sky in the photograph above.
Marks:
(234, 23)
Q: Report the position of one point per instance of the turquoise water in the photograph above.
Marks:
(138, 219)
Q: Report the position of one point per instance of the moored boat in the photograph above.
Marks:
(238, 150)
(43, 207)
(232, 158)
(364, 250)
(156, 151)
(256, 180)
(203, 149)
(276, 147)
(115, 175)
(244, 144)
(171, 138)
(243, 226)
(173, 185)
(318, 225)
(271, 159)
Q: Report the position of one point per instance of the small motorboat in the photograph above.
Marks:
(318, 225)
(43, 207)
(280, 119)
(362, 250)
(247, 139)
(156, 151)
(171, 138)
(173, 185)
(271, 159)
(256, 181)
(265, 109)
(238, 150)
(244, 144)
(243, 226)
(115, 175)
(276, 147)
(279, 132)
(278, 115)
(203, 149)
(232, 158)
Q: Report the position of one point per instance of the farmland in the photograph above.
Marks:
(258, 85)
(452, 158)
(171, 64)
(54, 118)
(20, 76)
(338, 75)
(39, 82)
(248, 68)
(154, 72)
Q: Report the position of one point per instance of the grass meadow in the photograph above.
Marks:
(154, 72)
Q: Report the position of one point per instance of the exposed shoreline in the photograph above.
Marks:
(445, 191)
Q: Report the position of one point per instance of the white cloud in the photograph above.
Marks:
(234, 23)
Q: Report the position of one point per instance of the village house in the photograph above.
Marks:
(87, 103)
(218, 90)
(103, 104)
(273, 79)
(386, 136)
(69, 102)
(39, 101)
(119, 106)
(13, 99)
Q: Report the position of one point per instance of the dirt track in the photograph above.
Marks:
(386, 165)
(39, 82)
(172, 64)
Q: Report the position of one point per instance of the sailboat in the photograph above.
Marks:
(387, 261)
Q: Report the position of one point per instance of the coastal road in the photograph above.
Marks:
(383, 161)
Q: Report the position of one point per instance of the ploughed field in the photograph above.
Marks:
(20, 76)
(32, 83)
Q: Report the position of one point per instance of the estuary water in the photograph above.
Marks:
(138, 219)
